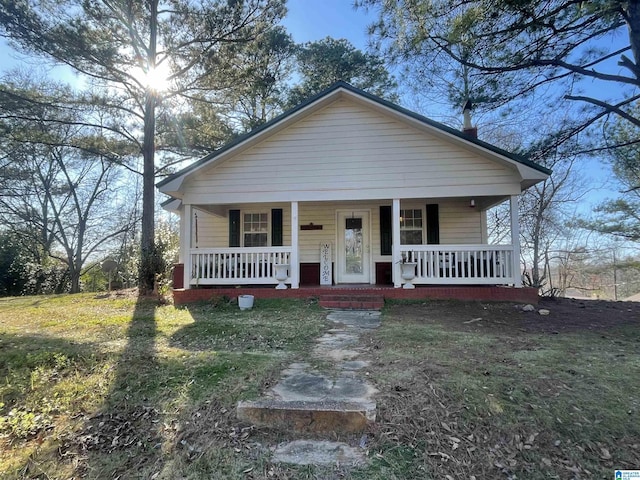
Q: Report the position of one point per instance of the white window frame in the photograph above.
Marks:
(421, 229)
(254, 212)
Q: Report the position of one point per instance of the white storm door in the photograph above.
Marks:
(353, 247)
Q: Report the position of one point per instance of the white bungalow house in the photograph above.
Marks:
(343, 189)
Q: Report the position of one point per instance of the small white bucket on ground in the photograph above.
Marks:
(245, 302)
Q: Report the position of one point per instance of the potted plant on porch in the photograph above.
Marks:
(408, 271)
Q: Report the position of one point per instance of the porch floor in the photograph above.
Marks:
(388, 292)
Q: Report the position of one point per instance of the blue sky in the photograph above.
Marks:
(310, 20)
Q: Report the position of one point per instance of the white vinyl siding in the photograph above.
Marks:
(348, 151)
(460, 224)
(309, 240)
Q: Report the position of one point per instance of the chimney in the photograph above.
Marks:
(467, 128)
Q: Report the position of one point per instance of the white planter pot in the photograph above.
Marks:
(408, 273)
(245, 302)
(282, 273)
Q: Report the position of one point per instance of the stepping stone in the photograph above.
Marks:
(366, 319)
(309, 452)
(311, 386)
(308, 417)
(336, 399)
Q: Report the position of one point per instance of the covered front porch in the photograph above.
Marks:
(347, 243)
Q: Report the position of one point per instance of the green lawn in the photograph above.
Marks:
(105, 387)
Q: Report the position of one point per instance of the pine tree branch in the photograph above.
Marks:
(607, 107)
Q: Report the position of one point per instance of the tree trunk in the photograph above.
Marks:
(74, 276)
(536, 279)
(147, 269)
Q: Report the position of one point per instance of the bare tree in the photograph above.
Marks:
(139, 55)
(546, 210)
(58, 189)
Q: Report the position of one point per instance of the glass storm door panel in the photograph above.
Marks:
(353, 247)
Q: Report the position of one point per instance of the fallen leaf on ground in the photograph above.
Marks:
(473, 321)
(604, 453)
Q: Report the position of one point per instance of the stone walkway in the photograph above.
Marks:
(335, 396)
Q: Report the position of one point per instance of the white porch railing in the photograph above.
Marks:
(461, 264)
(236, 266)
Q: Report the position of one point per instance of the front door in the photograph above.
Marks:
(353, 247)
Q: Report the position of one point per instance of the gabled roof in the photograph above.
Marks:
(328, 92)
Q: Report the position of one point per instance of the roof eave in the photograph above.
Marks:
(172, 205)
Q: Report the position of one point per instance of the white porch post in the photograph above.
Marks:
(185, 243)
(515, 240)
(395, 222)
(295, 261)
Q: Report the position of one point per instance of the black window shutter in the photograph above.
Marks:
(276, 227)
(433, 224)
(234, 228)
(386, 230)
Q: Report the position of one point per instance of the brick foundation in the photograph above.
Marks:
(497, 294)
(178, 276)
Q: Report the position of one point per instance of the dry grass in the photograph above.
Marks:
(496, 403)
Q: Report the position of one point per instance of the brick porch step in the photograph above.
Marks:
(352, 302)
(308, 416)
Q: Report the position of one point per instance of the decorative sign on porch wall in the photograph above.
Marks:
(325, 264)
(311, 226)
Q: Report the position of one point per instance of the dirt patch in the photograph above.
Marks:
(565, 315)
